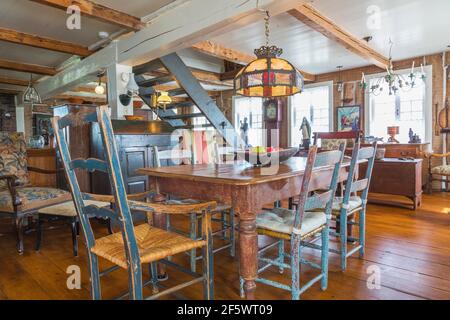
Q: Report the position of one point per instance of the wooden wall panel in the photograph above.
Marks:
(42, 159)
(435, 60)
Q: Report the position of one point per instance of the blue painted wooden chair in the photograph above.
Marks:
(132, 246)
(352, 203)
(302, 225)
(225, 212)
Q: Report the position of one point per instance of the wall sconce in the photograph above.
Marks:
(164, 99)
(100, 89)
(132, 88)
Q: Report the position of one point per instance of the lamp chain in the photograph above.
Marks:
(267, 26)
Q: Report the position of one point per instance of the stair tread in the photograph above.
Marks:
(193, 126)
(156, 81)
(184, 116)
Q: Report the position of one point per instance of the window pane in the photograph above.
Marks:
(314, 104)
(252, 109)
(199, 121)
(410, 106)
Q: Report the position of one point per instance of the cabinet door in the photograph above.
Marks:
(134, 158)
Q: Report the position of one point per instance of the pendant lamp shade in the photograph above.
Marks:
(268, 76)
(164, 98)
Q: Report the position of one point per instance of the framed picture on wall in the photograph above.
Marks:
(349, 118)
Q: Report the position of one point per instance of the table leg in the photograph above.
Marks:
(248, 246)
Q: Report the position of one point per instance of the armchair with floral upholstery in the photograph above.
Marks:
(442, 171)
(17, 196)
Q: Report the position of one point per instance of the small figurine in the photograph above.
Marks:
(305, 128)
(244, 131)
(413, 138)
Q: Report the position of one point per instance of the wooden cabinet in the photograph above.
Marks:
(135, 151)
(134, 141)
(404, 150)
(133, 158)
(407, 150)
(396, 177)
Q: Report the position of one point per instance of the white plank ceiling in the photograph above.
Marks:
(417, 27)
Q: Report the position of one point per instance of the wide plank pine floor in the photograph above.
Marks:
(411, 249)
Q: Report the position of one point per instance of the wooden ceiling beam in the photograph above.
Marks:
(9, 91)
(16, 82)
(309, 16)
(216, 50)
(98, 12)
(43, 43)
(70, 96)
(172, 31)
(203, 76)
(25, 67)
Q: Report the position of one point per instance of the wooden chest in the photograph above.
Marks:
(397, 177)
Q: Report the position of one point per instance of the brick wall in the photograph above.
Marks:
(7, 105)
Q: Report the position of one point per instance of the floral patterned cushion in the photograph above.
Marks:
(33, 198)
(331, 144)
(13, 157)
(444, 170)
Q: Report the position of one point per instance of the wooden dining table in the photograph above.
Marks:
(248, 189)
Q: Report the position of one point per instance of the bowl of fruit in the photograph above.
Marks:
(265, 156)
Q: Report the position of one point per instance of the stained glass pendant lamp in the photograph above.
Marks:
(268, 75)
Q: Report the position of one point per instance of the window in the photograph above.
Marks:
(406, 109)
(314, 103)
(252, 109)
(198, 122)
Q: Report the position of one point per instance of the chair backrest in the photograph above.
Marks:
(332, 140)
(121, 213)
(353, 184)
(171, 157)
(13, 157)
(319, 162)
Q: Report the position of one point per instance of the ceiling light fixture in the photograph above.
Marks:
(103, 34)
(394, 81)
(268, 75)
(340, 84)
(31, 95)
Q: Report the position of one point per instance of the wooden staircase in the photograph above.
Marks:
(176, 70)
